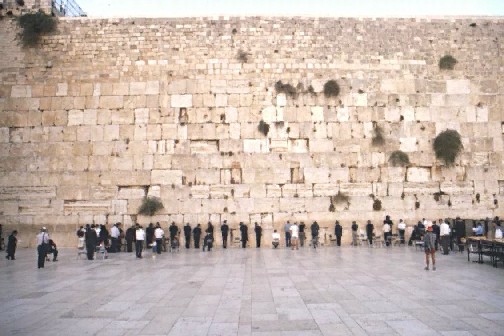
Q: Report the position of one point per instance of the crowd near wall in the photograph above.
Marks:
(105, 112)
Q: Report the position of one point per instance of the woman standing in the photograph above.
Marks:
(11, 246)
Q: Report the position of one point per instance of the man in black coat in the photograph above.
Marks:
(460, 232)
(197, 235)
(436, 232)
(173, 231)
(224, 231)
(130, 238)
(187, 235)
(258, 233)
(369, 232)
(91, 241)
(338, 232)
(244, 234)
(149, 235)
(11, 246)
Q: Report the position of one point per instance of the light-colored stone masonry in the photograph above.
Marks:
(106, 112)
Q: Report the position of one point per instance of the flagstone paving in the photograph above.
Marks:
(327, 291)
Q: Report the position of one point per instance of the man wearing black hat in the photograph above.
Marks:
(224, 231)
(338, 231)
(258, 233)
(91, 241)
(173, 231)
(244, 234)
(187, 235)
(197, 235)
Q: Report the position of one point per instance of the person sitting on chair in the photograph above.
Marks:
(208, 242)
(52, 249)
(275, 239)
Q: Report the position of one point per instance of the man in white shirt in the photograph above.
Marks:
(444, 233)
(140, 238)
(386, 233)
(42, 246)
(294, 231)
(401, 227)
(158, 235)
(114, 236)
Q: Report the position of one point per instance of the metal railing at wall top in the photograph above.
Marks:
(67, 8)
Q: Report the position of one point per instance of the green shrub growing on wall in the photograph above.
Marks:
(263, 128)
(286, 88)
(331, 88)
(447, 146)
(150, 205)
(447, 62)
(34, 25)
(378, 137)
(399, 159)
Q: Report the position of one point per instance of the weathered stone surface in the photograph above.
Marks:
(180, 119)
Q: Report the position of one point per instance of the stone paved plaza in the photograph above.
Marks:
(328, 291)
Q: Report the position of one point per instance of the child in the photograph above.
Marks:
(430, 248)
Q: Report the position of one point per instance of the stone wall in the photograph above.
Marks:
(106, 112)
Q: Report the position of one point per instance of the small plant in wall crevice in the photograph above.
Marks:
(263, 128)
(331, 88)
(242, 56)
(378, 137)
(149, 206)
(377, 205)
(399, 159)
(286, 88)
(447, 62)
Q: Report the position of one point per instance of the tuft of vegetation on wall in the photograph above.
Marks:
(331, 88)
(399, 159)
(242, 56)
(378, 137)
(447, 62)
(149, 206)
(447, 146)
(263, 128)
(377, 205)
(286, 88)
(34, 25)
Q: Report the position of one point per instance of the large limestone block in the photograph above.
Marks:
(411, 188)
(404, 86)
(166, 177)
(75, 117)
(458, 86)
(457, 188)
(408, 144)
(418, 174)
(265, 205)
(292, 205)
(316, 175)
(321, 145)
(185, 100)
(325, 189)
(266, 175)
(256, 146)
(356, 189)
(200, 191)
(203, 147)
(298, 146)
(21, 91)
(111, 102)
(131, 192)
